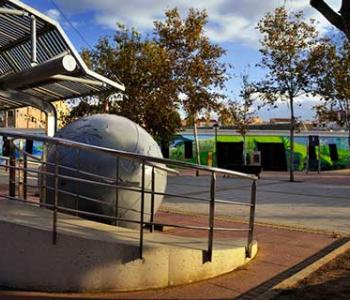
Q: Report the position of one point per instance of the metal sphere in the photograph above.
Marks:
(114, 132)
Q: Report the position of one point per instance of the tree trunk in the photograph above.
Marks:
(291, 140)
(198, 158)
(349, 144)
(244, 151)
(105, 106)
(164, 147)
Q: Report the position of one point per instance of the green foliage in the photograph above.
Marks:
(333, 84)
(288, 55)
(145, 68)
(197, 70)
(289, 49)
(240, 112)
(178, 59)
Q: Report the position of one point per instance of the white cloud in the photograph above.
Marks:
(229, 20)
(54, 14)
(303, 108)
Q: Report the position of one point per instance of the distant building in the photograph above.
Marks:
(224, 147)
(201, 122)
(30, 117)
(256, 121)
(279, 120)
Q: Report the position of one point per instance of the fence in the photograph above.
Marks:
(24, 167)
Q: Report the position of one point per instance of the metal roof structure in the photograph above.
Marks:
(38, 61)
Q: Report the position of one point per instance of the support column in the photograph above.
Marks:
(29, 100)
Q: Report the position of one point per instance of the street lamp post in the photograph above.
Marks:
(216, 126)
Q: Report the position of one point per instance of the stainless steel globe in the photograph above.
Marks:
(114, 132)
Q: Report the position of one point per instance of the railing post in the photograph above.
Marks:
(152, 199)
(116, 208)
(251, 220)
(142, 207)
(42, 175)
(25, 174)
(211, 215)
(21, 170)
(12, 171)
(77, 186)
(56, 178)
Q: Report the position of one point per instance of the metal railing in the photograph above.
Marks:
(23, 166)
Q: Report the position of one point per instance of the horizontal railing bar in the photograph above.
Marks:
(129, 155)
(61, 208)
(163, 168)
(232, 202)
(122, 187)
(179, 226)
(230, 229)
(25, 152)
(27, 184)
(92, 199)
(100, 183)
(80, 196)
(112, 180)
(131, 221)
(28, 160)
(26, 201)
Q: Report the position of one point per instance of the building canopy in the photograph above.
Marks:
(38, 61)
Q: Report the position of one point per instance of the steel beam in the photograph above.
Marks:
(34, 44)
(15, 12)
(78, 80)
(39, 74)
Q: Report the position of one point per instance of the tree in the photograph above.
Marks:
(333, 85)
(225, 116)
(340, 20)
(198, 72)
(145, 68)
(289, 56)
(240, 113)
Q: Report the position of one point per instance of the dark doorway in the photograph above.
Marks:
(313, 161)
(188, 149)
(312, 153)
(333, 152)
(229, 154)
(273, 156)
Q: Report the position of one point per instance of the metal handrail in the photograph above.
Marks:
(121, 186)
(123, 154)
(144, 160)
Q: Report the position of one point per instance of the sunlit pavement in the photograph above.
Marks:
(313, 201)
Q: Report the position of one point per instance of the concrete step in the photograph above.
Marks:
(91, 256)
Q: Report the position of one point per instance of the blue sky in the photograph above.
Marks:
(231, 24)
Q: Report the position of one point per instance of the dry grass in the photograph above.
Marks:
(331, 282)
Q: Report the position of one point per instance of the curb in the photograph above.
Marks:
(297, 277)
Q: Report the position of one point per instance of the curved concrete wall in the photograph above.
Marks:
(96, 257)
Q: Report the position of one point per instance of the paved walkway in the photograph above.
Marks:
(279, 251)
(318, 202)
